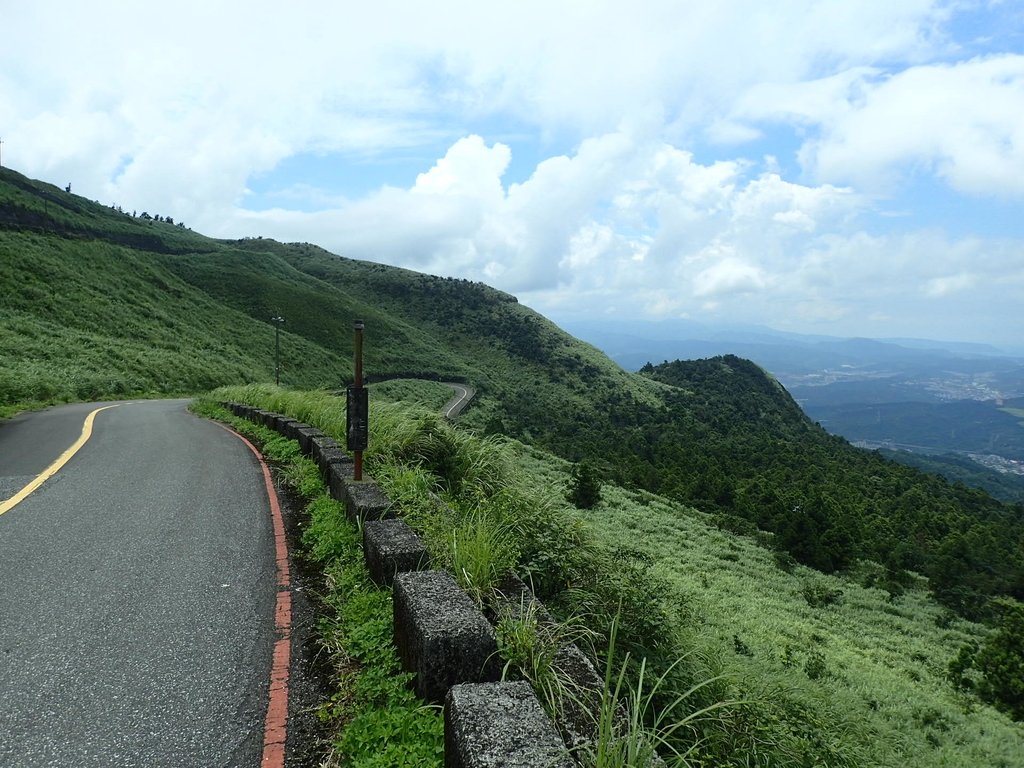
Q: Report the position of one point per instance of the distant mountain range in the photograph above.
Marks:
(908, 396)
(632, 343)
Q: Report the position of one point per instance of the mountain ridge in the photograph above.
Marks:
(90, 314)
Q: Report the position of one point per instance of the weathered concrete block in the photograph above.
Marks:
(280, 423)
(324, 452)
(322, 442)
(292, 429)
(365, 500)
(441, 635)
(513, 596)
(338, 477)
(305, 437)
(391, 547)
(581, 700)
(500, 724)
(264, 418)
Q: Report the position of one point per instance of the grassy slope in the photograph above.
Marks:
(101, 303)
(520, 362)
(859, 682)
(878, 665)
(878, 662)
(97, 303)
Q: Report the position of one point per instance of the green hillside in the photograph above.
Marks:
(764, 663)
(100, 303)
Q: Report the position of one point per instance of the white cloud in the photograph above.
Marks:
(469, 169)
(643, 120)
(642, 227)
(730, 275)
(960, 122)
(939, 287)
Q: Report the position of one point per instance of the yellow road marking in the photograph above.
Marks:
(51, 470)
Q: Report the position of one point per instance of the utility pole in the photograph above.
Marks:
(278, 321)
(357, 408)
(1, 153)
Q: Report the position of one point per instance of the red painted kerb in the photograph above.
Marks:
(275, 729)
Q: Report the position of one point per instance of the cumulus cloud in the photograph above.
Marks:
(939, 287)
(960, 122)
(728, 275)
(657, 186)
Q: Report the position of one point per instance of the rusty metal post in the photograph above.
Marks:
(358, 384)
(278, 321)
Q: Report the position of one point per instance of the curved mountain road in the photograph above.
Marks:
(137, 592)
(462, 398)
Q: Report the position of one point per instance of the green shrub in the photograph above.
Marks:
(1000, 661)
(819, 594)
(584, 486)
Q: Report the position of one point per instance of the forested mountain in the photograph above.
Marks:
(97, 303)
(755, 456)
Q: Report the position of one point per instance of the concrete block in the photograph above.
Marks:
(513, 596)
(584, 688)
(286, 426)
(289, 428)
(325, 451)
(338, 477)
(441, 635)
(265, 418)
(583, 684)
(305, 437)
(280, 421)
(323, 442)
(500, 724)
(391, 547)
(365, 500)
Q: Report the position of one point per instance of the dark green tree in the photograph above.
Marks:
(1001, 661)
(584, 486)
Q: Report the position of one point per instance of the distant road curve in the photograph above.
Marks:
(464, 393)
(458, 403)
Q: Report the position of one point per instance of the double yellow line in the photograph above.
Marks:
(51, 470)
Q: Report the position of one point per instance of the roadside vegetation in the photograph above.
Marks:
(98, 304)
(372, 717)
(755, 660)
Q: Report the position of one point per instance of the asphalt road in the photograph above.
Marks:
(457, 404)
(137, 591)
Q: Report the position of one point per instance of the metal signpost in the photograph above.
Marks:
(278, 321)
(357, 408)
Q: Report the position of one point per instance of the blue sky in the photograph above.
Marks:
(819, 166)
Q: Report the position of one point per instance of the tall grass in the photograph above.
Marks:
(636, 727)
(705, 616)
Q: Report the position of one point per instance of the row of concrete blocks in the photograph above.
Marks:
(441, 635)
